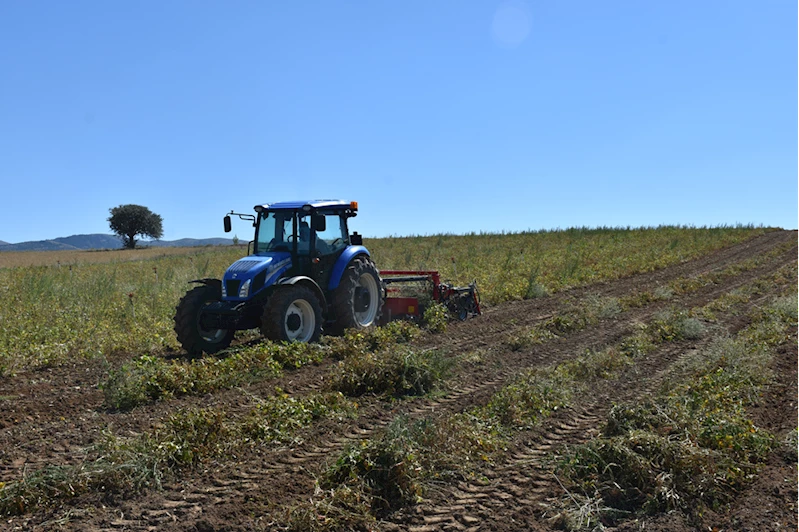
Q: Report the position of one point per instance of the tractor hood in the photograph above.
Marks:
(248, 276)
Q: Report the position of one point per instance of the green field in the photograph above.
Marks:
(61, 309)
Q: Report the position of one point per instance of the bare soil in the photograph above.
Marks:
(52, 416)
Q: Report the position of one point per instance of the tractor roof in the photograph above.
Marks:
(314, 204)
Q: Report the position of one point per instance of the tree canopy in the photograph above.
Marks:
(127, 221)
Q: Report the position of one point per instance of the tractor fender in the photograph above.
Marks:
(303, 280)
(343, 261)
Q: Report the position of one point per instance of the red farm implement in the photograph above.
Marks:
(419, 289)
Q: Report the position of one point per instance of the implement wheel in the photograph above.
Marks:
(292, 314)
(358, 300)
(191, 335)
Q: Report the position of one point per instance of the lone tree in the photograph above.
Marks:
(127, 221)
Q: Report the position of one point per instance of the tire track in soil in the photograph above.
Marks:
(525, 484)
(179, 502)
(287, 462)
(520, 489)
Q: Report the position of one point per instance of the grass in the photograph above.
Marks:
(52, 314)
(74, 258)
(99, 304)
(532, 396)
(577, 316)
(150, 378)
(515, 266)
(431, 449)
(574, 317)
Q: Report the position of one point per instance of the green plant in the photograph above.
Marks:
(536, 335)
(355, 342)
(344, 507)
(187, 438)
(391, 471)
(435, 318)
(279, 417)
(395, 371)
(673, 325)
(535, 394)
(692, 444)
(534, 288)
(150, 378)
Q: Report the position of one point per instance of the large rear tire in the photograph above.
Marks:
(292, 314)
(191, 335)
(358, 300)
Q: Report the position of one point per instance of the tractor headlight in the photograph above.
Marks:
(224, 290)
(244, 291)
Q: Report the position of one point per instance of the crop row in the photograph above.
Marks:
(123, 466)
(577, 315)
(692, 445)
(183, 439)
(151, 378)
(371, 479)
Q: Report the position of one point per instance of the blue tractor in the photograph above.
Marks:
(306, 273)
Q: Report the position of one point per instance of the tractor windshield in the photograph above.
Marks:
(274, 232)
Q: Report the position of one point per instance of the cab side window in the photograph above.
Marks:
(334, 237)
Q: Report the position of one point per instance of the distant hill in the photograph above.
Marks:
(101, 241)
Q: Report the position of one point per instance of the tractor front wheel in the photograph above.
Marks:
(192, 336)
(358, 300)
(292, 314)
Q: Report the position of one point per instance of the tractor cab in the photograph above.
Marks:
(314, 235)
(294, 239)
(300, 233)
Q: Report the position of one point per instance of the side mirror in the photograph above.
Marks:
(228, 227)
(355, 239)
(318, 222)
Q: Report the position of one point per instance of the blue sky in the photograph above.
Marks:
(443, 116)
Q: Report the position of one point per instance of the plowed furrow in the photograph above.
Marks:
(518, 489)
(526, 480)
(515, 488)
(299, 463)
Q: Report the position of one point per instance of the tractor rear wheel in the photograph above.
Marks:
(192, 336)
(292, 314)
(358, 300)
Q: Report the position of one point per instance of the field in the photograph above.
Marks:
(619, 379)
